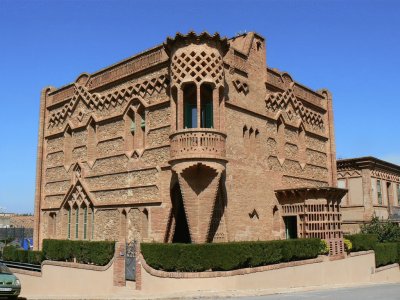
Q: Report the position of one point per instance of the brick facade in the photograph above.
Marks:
(189, 141)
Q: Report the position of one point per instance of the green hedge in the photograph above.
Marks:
(385, 254)
(362, 242)
(227, 256)
(97, 253)
(11, 253)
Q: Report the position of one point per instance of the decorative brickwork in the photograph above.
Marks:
(185, 142)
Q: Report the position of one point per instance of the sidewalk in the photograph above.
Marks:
(205, 294)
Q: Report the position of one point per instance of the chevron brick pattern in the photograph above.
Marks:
(96, 101)
(241, 87)
(282, 101)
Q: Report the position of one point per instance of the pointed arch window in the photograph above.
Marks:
(69, 223)
(77, 223)
(85, 221)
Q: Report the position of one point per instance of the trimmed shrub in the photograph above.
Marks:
(227, 256)
(10, 253)
(98, 253)
(385, 254)
(22, 256)
(362, 242)
(35, 257)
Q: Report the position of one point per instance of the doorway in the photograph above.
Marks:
(290, 227)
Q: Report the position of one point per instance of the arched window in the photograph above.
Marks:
(85, 221)
(206, 96)
(76, 223)
(190, 106)
(135, 125)
(92, 223)
(69, 223)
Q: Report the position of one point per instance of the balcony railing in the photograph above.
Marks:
(197, 143)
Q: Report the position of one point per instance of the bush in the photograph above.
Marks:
(362, 242)
(324, 247)
(22, 256)
(35, 257)
(385, 254)
(11, 253)
(227, 256)
(348, 245)
(98, 253)
(385, 230)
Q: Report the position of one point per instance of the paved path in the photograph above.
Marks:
(383, 292)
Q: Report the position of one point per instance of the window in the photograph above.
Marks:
(379, 191)
(190, 106)
(69, 223)
(341, 183)
(92, 223)
(76, 222)
(85, 215)
(398, 194)
(206, 106)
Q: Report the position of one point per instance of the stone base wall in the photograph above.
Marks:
(356, 269)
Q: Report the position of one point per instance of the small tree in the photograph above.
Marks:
(387, 231)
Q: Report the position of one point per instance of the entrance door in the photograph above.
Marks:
(290, 227)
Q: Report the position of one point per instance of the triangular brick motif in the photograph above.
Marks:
(287, 101)
(77, 195)
(97, 101)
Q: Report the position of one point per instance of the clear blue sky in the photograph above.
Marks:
(349, 47)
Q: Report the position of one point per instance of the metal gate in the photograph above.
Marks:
(130, 261)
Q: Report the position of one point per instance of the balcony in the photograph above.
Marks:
(197, 143)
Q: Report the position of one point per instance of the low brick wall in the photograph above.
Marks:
(321, 272)
(60, 279)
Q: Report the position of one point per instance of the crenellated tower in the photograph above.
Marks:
(198, 155)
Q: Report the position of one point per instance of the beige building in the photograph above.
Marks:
(373, 190)
(195, 140)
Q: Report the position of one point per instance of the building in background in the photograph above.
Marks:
(5, 219)
(373, 190)
(195, 140)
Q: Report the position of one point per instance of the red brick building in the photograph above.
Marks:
(195, 140)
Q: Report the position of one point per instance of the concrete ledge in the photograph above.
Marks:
(353, 254)
(78, 265)
(26, 272)
(212, 274)
(391, 266)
